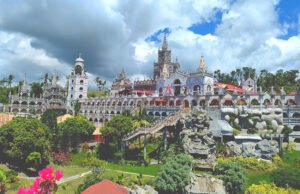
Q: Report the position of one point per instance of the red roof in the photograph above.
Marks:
(292, 93)
(230, 87)
(105, 187)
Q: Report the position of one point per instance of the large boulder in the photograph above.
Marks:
(274, 124)
(227, 117)
(267, 148)
(248, 150)
(234, 148)
(236, 121)
(259, 126)
(204, 184)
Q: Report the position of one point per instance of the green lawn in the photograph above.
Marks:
(147, 170)
(256, 177)
(289, 157)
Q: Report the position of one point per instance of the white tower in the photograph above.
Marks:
(77, 83)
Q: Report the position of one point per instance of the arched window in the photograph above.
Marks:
(80, 96)
(81, 88)
(81, 81)
(196, 89)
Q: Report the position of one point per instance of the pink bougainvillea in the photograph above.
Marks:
(45, 183)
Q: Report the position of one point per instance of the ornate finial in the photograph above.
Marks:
(176, 60)
(202, 65)
(165, 43)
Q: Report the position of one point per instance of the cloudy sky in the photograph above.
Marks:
(39, 36)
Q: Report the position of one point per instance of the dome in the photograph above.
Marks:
(79, 59)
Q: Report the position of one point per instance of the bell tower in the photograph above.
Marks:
(77, 83)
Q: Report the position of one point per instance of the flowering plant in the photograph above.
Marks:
(45, 183)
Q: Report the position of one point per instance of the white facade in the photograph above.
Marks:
(77, 83)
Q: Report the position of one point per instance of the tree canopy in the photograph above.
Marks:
(74, 131)
(175, 174)
(22, 137)
(233, 175)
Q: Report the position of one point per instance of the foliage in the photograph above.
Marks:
(221, 149)
(49, 118)
(2, 182)
(34, 159)
(233, 175)
(175, 174)
(45, 183)
(60, 157)
(236, 132)
(269, 189)
(74, 131)
(90, 180)
(20, 137)
(100, 83)
(76, 106)
(113, 131)
(287, 176)
(4, 92)
(36, 89)
(252, 131)
(11, 176)
(250, 163)
(286, 131)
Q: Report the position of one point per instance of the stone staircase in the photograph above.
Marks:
(170, 120)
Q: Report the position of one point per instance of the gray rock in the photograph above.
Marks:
(236, 121)
(267, 148)
(142, 190)
(227, 117)
(274, 124)
(251, 122)
(259, 126)
(234, 148)
(204, 184)
(264, 124)
(249, 150)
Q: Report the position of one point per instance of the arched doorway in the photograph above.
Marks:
(228, 102)
(186, 104)
(241, 102)
(202, 103)
(278, 102)
(267, 102)
(194, 103)
(178, 103)
(254, 102)
(171, 103)
(177, 87)
(296, 115)
(214, 102)
(196, 89)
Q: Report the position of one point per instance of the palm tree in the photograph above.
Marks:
(10, 80)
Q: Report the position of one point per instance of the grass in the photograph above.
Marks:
(256, 177)
(289, 157)
(147, 170)
(70, 170)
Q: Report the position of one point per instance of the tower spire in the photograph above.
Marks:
(202, 65)
(165, 43)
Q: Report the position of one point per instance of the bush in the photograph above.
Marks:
(11, 176)
(236, 132)
(174, 175)
(233, 175)
(249, 163)
(90, 180)
(60, 157)
(268, 188)
(252, 131)
(286, 177)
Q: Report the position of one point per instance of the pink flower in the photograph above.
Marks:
(46, 174)
(58, 175)
(22, 191)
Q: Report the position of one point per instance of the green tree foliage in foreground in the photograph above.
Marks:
(269, 189)
(49, 118)
(286, 177)
(20, 141)
(90, 180)
(74, 131)
(113, 131)
(233, 175)
(175, 174)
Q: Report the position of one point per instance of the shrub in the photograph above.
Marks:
(60, 157)
(11, 176)
(252, 131)
(250, 163)
(268, 188)
(90, 180)
(236, 132)
(285, 177)
(175, 174)
(233, 175)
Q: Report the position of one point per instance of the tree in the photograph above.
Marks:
(20, 137)
(91, 179)
(100, 83)
(77, 106)
(113, 131)
(74, 131)
(10, 80)
(49, 118)
(286, 177)
(233, 176)
(174, 175)
(36, 89)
